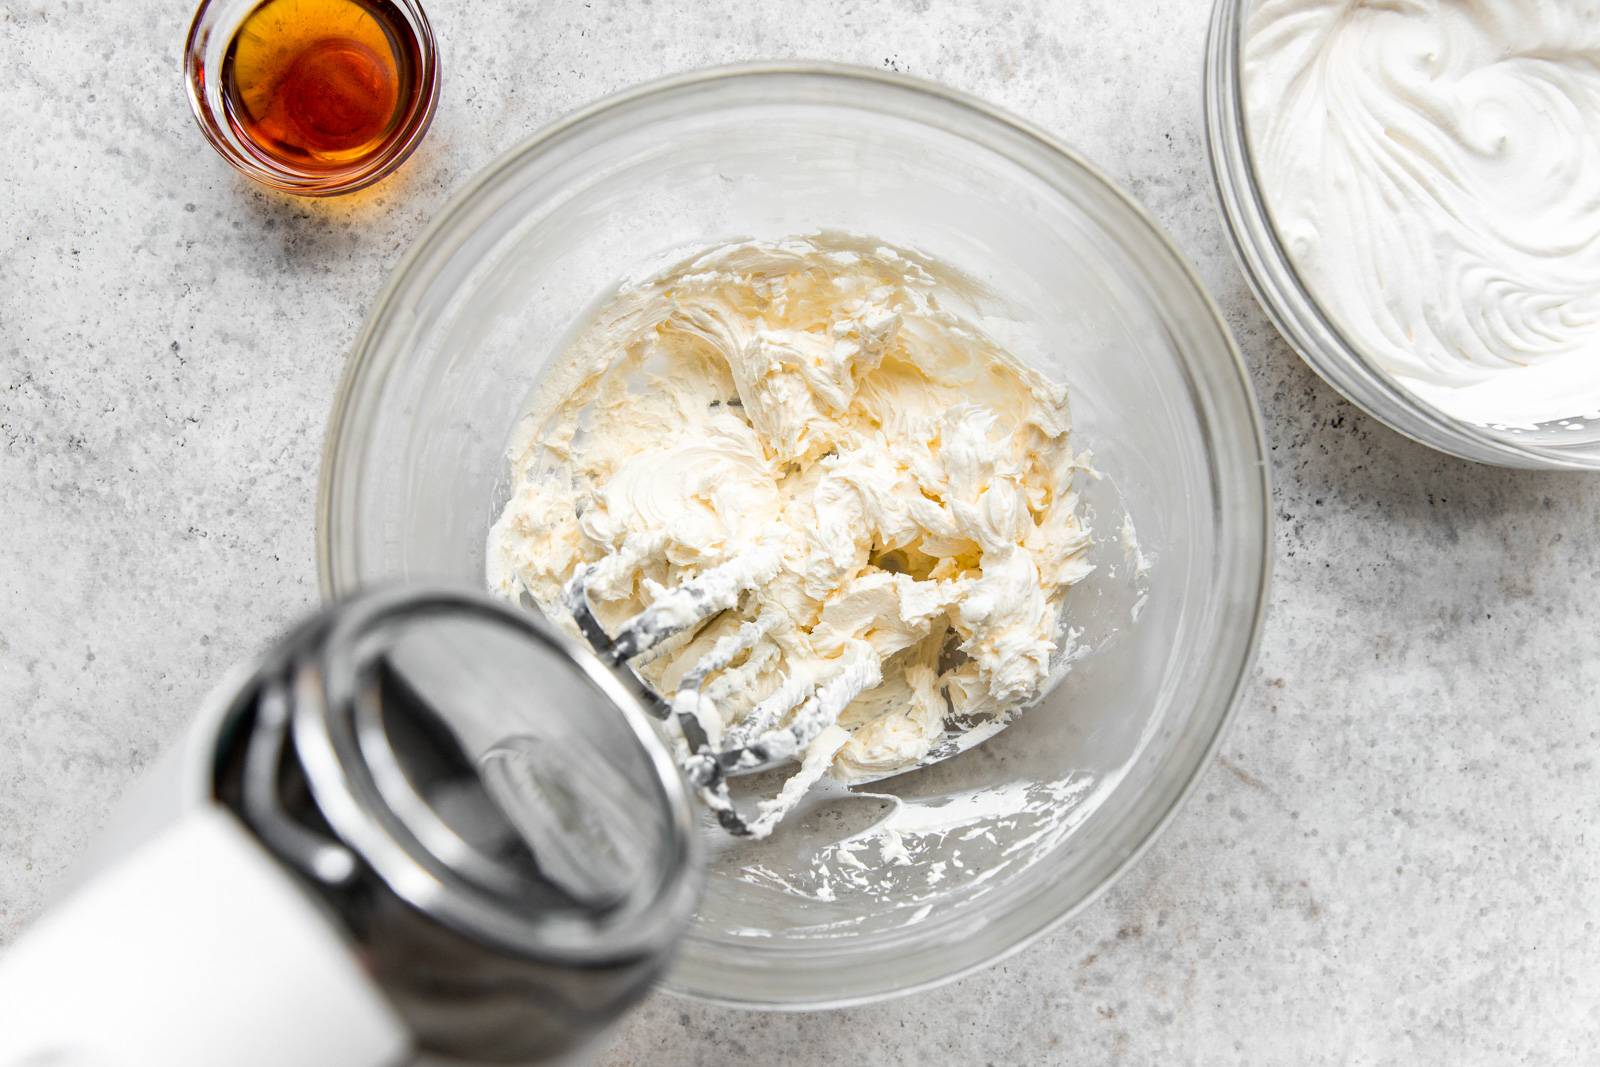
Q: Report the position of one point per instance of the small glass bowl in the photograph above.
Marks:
(414, 473)
(212, 30)
(1308, 327)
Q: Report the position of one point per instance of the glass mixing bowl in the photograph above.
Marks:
(1570, 445)
(1014, 836)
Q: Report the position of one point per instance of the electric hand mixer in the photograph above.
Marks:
(425, 829)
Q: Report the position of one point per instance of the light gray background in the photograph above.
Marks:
(1394, 859)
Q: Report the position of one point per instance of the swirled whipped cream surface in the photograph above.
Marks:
(1433, 169)
(895, 491)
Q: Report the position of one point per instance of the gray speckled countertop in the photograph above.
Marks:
(1396, 855)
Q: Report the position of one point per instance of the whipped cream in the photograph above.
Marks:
(1433, 170)
(889, 493)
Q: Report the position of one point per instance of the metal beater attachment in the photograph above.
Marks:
(775, 731)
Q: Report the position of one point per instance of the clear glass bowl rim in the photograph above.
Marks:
(1296, 313)
(369, 362)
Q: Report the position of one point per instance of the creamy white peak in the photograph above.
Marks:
(814, 401)
(1433, 170)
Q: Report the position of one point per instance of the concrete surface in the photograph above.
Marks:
(1391, 860)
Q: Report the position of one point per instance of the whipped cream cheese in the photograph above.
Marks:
(1433, 170)
(892, 491)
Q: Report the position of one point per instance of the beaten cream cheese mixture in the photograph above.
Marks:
(1433, 170)
(899, 488)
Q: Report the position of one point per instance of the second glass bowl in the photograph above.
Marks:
(1306, 326)
(414, 473)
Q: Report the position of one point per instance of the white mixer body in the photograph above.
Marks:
(195, 950)
(180, 942)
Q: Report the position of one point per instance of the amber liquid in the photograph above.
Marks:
(321, 85)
